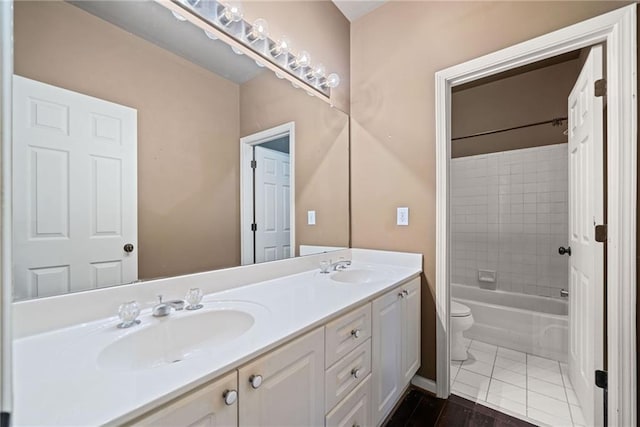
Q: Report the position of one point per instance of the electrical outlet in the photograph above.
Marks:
(311, 217)
(403, 216)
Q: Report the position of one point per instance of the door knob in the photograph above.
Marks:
(128, 248)
(562, 250)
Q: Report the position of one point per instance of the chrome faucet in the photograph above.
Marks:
(341, 264)
(163, 308)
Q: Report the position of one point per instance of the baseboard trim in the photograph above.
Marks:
(424, 383)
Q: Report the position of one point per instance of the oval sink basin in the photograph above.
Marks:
(356, 276)
(174, 338)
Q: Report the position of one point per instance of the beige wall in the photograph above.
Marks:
(321, 154)
(188, 130)
(395, 52)
(535, 96)
(315, 26)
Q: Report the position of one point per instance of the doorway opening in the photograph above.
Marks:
(612, 331)
(519, 334)
(267, 195)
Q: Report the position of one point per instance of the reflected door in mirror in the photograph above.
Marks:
(272, 205)
(74, 191)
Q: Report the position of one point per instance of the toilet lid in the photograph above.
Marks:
(459, 310)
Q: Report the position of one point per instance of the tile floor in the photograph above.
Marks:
(520, 383)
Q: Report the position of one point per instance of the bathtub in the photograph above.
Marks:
(527, 323)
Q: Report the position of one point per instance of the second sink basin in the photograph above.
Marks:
(174, 338)
(356, 276)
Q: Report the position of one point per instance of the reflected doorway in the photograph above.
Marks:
(267, 187)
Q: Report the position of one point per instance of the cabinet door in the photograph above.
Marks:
(285, 387)
(386, 316)
(205, 407)
(410, 330)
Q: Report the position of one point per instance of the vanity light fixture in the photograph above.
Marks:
(259, 30)
(281, 47)
(228, 18)
(302, 60)
(232, 12)
(210, 35)
(178, 16)
(316, 72)
(332, 80)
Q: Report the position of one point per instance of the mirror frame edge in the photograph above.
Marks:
(6, 83)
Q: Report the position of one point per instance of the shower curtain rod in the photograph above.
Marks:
(556, 122)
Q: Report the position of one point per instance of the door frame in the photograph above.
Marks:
(246, 185)
(618, 30)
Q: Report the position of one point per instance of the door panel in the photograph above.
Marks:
(586, 209)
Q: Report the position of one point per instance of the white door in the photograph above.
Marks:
(74, 191)
(586, 208)
(285, 387)
(272, 205)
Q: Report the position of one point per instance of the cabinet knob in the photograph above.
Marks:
(355, 333)
(230, 397)
(356, 372)
(401, 294)
(405, 292)
(255, 380)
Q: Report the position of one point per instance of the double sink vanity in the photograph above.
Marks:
(274, 344)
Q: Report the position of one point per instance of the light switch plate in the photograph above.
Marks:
(403, 216)
(311, 217)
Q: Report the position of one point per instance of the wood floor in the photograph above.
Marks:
(419, 408)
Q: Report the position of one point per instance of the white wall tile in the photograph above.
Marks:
(498, 197)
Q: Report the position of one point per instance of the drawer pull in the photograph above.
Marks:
(356, 333)
(356, 372)
(230, 397)
(255, 380)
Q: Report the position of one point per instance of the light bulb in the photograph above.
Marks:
(259, 30)
(210, 35)
(319, 71)
(178, 16)
(259, 64)
(281, 47)
(232, 12)
(237, 51)
(280, 76)
(332, 80)
(302, 60)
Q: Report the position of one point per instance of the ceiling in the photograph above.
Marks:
(354, 9)
(154, 23)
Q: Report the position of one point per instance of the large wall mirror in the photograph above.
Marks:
(132, 130)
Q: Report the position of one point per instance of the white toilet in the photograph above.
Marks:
(461, 320)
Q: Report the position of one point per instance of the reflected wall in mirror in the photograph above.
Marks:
(127, 146)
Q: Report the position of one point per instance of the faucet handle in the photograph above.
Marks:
(128, 313)
(159, 299)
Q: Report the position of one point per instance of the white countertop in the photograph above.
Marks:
(58, 380)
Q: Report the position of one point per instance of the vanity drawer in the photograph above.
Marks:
(346, 333)
(345, 375)
(355, 409)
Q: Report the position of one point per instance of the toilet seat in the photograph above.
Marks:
(459, 310)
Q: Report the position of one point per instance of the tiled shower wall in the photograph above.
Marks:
(509, 214)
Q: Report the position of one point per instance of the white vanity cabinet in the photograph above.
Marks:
(395, 345)
(286, 386)
(212, 405)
